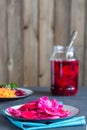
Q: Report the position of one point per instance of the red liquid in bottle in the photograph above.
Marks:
(64, 77)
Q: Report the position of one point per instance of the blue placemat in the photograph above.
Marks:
(74, 121)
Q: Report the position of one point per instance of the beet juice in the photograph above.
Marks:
(64, 72)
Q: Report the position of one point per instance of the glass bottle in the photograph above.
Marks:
(64, 71)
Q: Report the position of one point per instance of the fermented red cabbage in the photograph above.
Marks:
(42, 108)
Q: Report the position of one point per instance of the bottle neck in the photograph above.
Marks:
(63, 53)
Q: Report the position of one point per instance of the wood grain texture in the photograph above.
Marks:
(15, 46)
(62, 22)
(77, 22)
(85, 48)
(30, 32)
(46, 8)
(3, 43)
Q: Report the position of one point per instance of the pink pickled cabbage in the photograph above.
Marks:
(43, 108)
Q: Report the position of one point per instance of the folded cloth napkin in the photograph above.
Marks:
(74, 121)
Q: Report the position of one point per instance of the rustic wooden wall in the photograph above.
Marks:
(28, 31)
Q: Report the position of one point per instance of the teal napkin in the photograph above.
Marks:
(74, 121)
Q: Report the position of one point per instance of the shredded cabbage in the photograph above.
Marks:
(42, 108)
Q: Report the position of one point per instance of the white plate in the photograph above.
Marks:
(73, 112)
(27, 93)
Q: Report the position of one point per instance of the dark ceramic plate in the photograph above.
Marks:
(27, 92)
(73, 112)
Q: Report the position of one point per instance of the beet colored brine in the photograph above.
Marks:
(64, 72)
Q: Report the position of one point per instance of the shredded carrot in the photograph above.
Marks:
(6, 92)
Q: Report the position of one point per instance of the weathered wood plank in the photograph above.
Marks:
(30, 18)
(77, 22)
(85, 48)
(3, 43)
(46, 9)
(28, 31)
(15, 47)
(62, 22)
